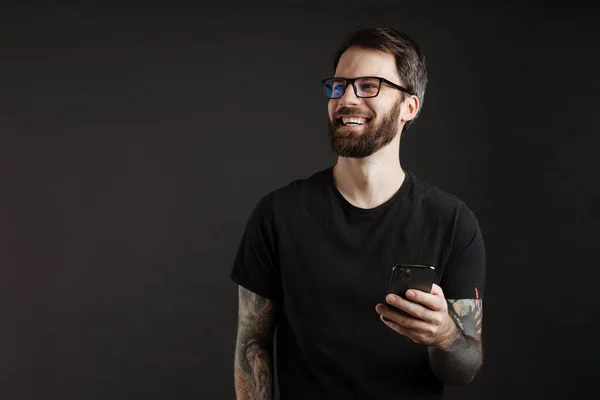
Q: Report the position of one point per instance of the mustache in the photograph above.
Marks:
(347, 111)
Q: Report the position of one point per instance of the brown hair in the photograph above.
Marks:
(410, 61)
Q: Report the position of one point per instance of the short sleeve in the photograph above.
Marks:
(464, 272)
(256, 265)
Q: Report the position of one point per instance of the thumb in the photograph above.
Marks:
(436, 290)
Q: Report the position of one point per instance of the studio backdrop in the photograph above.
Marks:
(134, 143)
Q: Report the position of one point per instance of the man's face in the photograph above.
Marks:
(379, 117)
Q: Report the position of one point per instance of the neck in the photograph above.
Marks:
(371, 181)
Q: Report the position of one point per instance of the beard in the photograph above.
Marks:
(374, 136)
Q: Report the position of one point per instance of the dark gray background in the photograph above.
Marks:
(135, 142)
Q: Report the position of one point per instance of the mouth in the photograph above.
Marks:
(352, 121)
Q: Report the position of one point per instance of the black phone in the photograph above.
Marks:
(411, 276)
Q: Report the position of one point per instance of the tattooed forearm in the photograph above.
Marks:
(254, 348)
(467, 315)
(458, 364)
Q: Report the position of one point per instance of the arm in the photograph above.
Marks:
(457, 361)
(253, 364)
(450, 328)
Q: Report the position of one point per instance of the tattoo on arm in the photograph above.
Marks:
(253, 363)
(467, 315)
(459, 363)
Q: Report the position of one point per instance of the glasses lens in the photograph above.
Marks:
(367, 87)
(334, 88)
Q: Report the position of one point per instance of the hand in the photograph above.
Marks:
(423, 317)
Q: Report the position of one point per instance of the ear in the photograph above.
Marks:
(410, 108)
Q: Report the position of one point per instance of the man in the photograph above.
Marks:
(317, 255)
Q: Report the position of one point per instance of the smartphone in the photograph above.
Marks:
(411, 276)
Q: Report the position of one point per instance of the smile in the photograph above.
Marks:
(352, 121)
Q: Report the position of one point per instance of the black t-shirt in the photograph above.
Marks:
(328, 263)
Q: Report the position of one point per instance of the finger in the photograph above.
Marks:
(394, 325)
(413, 334)
(391, 313)
(435, 302)
(404, 320)
(435, 289)
(412, 308)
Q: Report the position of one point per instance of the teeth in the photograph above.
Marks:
(353, 120)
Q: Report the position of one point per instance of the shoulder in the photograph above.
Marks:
(433, 197)
(308, 187)
(295, 193)
(434, 201)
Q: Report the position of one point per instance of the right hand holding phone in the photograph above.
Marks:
(422, 317)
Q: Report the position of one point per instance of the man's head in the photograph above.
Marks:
(382, 107)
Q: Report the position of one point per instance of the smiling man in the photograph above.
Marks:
(316, 257)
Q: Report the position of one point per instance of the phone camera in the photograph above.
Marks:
(403, 274)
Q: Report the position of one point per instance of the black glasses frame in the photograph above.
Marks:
(353, 80)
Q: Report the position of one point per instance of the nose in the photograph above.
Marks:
(349, 97)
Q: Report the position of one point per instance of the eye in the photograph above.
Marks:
(337, 90)
(369, 86)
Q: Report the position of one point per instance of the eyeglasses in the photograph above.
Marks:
(364, 87)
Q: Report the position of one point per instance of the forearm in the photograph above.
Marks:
(254, 371)
(457, 364)
(253, 364)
